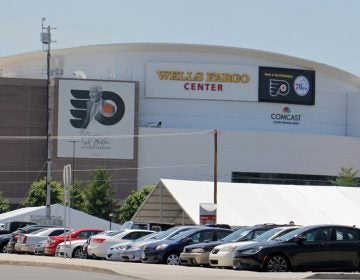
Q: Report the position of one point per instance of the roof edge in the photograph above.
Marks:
(217, 49)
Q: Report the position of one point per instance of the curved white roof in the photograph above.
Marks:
(170, 47)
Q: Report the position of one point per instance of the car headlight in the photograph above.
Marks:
(228, 248)
(161, 247)
(198, 250)
(252, 250)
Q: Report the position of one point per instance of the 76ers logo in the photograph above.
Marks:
(106, 107)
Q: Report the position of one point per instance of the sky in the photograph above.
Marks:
(325, 31)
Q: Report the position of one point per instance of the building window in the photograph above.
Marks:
(281, 179)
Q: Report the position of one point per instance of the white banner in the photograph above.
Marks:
(202, 81)
(96, 119)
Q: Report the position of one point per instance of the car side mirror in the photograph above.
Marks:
(188, 241)
(299, 239)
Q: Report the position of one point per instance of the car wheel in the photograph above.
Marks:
(277, 263)
(172, 259)
(79, 254)
(3, 248)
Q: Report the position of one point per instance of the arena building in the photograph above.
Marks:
(150, 111)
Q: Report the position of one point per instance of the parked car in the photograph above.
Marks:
(26, 242)
(99, 244)
(11, 226)
(317, 247)
(155, 226)
(71, 249)
(114, 253)
(222, 255)
(4, 239)
(40, 248)
(168, 251)
(75, 249)
(82, 233)
(10, 247)
(198, 254)
(132, 252)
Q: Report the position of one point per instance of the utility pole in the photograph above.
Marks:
(215, 165)
(45, 38)
(73, 160)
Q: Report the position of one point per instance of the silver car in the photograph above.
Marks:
(131, 252)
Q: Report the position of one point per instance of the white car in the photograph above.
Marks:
(99, 244)
(27, 242)
(222, 255)
(71, 249)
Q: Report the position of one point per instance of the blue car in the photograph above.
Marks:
(168, 251)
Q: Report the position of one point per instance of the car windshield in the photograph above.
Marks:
(183, 234)
(166, 233)
(236, 235)
(267, 234)
(290, 235)
(38, 231)
(126, 225)
(112, 233)
(148, 236)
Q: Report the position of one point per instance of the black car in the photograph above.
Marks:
(168, 251)
(316, 248)
(198, 254)
(4, 239)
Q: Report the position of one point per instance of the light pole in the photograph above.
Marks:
(110, 218)
(45, 38)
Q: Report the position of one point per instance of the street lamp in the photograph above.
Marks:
(110, 218)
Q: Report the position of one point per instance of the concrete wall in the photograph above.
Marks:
(23, 104)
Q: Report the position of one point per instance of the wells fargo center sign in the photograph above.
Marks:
(201, 81)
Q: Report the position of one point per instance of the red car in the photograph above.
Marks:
(77, 234)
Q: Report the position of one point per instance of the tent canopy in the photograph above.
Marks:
(78, 219)
(248, 204)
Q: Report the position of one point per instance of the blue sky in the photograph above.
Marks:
(325, 31)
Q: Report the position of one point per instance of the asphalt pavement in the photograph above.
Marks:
(160, 272)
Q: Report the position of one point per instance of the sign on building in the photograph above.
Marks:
(97, 117)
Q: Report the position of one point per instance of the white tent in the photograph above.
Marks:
(78, 219)
(249, 204)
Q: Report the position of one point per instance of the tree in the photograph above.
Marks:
(347, 178)
(37, 193)
(100, 200)
(77, 196)
(132, 203)
(4, 204)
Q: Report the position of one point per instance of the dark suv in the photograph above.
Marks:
(198, 254)
(168, 251)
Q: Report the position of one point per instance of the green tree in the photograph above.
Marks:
(347, 178)
(100, 200)
(4, 204)
(133, 202)
(37, 194)
(77, 196)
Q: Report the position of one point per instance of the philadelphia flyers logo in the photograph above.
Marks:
(105, 107)
(278, 87)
